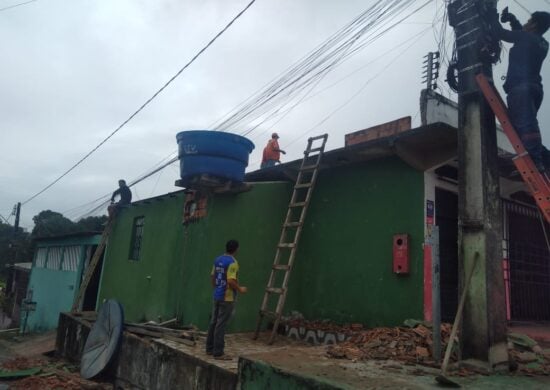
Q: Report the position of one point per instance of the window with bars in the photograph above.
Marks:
(137, 236)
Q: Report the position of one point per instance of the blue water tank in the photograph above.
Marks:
(216, 153)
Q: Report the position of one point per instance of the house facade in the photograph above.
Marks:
(55, 277)
(400, 181)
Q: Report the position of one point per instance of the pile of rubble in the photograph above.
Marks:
(527, 357)
(413, 345)
(407, 344)
(41, 373)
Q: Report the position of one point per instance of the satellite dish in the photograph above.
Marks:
(103, 340)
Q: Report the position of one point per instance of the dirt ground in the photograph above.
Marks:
(313, 362)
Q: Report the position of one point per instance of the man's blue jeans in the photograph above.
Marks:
(268, 164)
(524, 101)
(221, 314)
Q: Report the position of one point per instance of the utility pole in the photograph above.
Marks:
(483, 332)
(14, 242)
(17, 212)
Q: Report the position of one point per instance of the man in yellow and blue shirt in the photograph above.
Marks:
(224, 278)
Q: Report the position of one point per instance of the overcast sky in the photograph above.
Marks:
(72, 70)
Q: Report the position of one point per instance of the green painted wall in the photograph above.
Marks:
(54, 290)
(148, 287)
(253, 218)
(179, 259)
(344, 265)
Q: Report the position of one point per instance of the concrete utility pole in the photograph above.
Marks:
(483, 334)
(17, 212)
(14, 243)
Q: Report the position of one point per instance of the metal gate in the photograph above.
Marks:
(526, 263)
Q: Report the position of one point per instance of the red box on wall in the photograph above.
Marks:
(401, 253)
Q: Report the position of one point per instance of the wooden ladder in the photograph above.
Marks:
(538, 184)
(93, 265)
(290, 234)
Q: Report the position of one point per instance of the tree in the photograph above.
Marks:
(92, 224)
(50, 223)
(14, 246)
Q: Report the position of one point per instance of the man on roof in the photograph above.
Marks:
(272, 152)
(523, 84)
(125, 198)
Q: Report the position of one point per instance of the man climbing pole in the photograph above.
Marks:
(125, 198)
(523, 84)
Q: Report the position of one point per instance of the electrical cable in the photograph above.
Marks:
(350, 99)
(353, 96)
(16, 5)
(522, 7)
(364, 66)
(308, 63)
(299, 69)
(144, 104)
(335, 49)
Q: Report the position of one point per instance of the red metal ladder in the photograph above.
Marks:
(537, 183)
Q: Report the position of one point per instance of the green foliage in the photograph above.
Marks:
(92, 224)
(19, 247)
(50, 223)
(14, 247)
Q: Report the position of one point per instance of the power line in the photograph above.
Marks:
(144, 104)
(16, 5)
(341, 53)
(94, 206)
(370, 25)
(355, 94)
(319, 62)
(522, 7)
(379, 56)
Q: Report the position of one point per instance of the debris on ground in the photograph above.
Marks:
(22, 363)
(406, 344)
(186, 337)
(413, 345)
(47, 374)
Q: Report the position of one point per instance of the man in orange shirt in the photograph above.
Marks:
(272, 152)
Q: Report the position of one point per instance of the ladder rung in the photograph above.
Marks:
(319, 149)
(318, 137)
(274, 290)
(303, 185)
(286, 245)
(297, 204)
(309, 167)
(282, 267)
(269, 313)
(293, 224)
